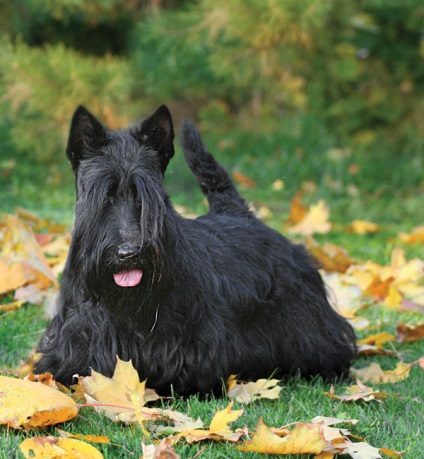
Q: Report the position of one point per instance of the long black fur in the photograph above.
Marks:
(222, 294)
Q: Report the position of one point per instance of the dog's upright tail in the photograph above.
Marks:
(214, 181)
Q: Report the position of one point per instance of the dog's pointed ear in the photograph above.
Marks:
(157, 132)
(86, 134)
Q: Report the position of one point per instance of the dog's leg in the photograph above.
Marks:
(214, 181)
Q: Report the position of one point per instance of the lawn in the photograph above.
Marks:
(384, 188)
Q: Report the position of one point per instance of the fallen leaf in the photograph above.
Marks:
(30, 404)
(302, 439)
(362, 450)
(375, 374)
(346, 299)
(23, 256)
(180, 421)
(277, 185)
(390, 284)
(56, 448)
(416, 236)
(359, 392)
(249, 392)
(91, 438)
(164, 450)
(331, 257)
(11, 306)
(409, 333)
(122, 397)
(391, 453)
(369, 349)
(363, 227)
(377, 339)
(394, 299)
(330, 421)
(298, 211)
(243, 180)
(315, 221)
(218, 430)
(13, 275)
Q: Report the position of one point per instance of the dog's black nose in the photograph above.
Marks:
(127, 251)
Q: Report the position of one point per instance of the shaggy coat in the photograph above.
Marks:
(190, 302)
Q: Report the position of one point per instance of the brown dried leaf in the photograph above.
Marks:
(409, 333)
(164, 450)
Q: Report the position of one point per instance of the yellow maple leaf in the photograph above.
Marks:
(376, 375)
(122, 397)
(377, 339)
(302, 439)
(30, 404)
(13, 275)
(394, 299)
(390, 284)
(53, 447)
(20, 247)
(315, 221)
(218, 430)
(249, 392)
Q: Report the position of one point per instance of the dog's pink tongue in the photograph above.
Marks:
(128, 278)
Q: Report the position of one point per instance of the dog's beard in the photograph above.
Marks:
(117, 285)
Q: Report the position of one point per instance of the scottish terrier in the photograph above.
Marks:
(189, 301)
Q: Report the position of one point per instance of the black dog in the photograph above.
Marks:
(189, 301)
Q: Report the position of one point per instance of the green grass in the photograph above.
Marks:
(387, 190)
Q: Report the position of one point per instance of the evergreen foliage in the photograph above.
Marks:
(356, 67)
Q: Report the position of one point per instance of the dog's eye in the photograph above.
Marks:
(134, 192)
(112, 190)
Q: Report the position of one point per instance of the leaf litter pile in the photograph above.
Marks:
(32, 256)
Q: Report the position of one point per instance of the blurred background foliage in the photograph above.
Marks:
(355, 66)
(288, 79)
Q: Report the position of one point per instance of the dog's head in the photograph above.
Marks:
(121, 205)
